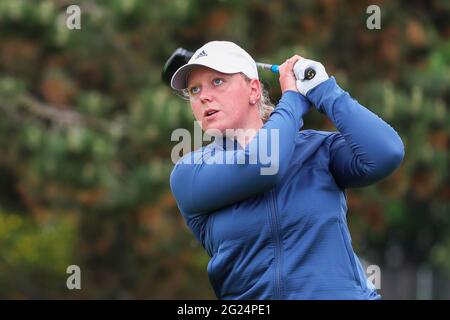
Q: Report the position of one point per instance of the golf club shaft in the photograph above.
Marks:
(181, 56)
(266, 66)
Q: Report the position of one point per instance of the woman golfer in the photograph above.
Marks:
(279, 233)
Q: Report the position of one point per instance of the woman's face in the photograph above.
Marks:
(220, 101)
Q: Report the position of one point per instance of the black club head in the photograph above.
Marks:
(178, 58)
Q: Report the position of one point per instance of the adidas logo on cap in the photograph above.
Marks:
(201, 54)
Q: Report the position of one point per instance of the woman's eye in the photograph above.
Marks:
(217, 81)
(194, 90)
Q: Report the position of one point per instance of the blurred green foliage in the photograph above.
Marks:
(34, 256)
(85, 126)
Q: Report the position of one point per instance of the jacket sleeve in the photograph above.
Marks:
(200, 187)
(366, 148)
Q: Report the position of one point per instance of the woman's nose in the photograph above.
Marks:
(205, 95)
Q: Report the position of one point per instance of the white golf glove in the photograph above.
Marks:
(304, 85)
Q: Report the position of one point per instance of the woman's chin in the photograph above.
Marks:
(214, 129)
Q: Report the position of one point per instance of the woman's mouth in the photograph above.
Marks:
(210, 114)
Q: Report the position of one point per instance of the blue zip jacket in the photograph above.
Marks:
(285, 236)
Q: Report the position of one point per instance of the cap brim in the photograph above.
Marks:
(178, 81)
(179, 78)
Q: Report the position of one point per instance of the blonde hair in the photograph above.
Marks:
(264, 104)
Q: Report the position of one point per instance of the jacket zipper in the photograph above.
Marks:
(276, 237)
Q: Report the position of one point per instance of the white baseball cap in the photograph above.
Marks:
(222, 56)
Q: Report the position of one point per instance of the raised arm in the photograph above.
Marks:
(200, 187)
(366, 149)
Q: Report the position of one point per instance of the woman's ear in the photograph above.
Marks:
(255, 91)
